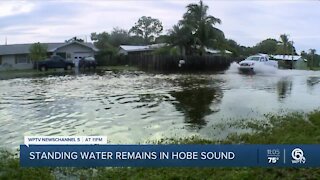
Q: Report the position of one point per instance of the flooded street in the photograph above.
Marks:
(138, 107)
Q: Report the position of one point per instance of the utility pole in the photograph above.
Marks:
(291, 54)
(312, 54)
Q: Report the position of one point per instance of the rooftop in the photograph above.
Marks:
(288, 57)
(215, 51)
(24, 48)
(133, 48)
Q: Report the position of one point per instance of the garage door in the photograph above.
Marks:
(78, 55)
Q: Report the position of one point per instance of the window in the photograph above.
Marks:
(57, 58)
(253, 58)
(0, 60)
(21, 59)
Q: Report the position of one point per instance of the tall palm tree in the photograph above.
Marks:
(202, 25)
(285, 42)
(197, 14)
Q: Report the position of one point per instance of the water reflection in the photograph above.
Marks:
(284, 88)
(313, 80)
(196, 102)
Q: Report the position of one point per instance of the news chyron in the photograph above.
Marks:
(95, 151)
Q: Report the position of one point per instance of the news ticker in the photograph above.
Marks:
(170, 155)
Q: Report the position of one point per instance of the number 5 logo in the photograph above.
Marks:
(297, 156)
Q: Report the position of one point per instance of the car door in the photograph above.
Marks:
(61, 62)
(55, 62)
(51, 63)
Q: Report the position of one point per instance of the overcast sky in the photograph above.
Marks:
(246, 21)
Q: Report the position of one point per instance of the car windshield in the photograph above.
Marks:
(253, 58)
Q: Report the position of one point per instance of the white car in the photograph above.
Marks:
(256, 63)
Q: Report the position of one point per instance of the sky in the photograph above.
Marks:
(248, 22)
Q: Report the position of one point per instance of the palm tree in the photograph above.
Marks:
(202, 25)
(181, 36)
(284, 41)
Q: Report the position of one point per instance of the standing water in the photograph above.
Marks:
(137, 107)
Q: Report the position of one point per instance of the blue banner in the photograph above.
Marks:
(170, 155)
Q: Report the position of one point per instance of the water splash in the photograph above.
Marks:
(261, 68)
(233, 68)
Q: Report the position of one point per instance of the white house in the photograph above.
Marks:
(16, 56)
(291, 61)
(132, 49)
(288, 57)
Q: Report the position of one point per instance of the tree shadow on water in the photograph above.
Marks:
(196, 103)
(284, 88)
(312, 82)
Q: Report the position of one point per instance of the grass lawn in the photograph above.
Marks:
(295, 128)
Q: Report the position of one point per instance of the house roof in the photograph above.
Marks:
(287, 57)
(89, 45)
(24, 48)
(131, 48)
(215, 51)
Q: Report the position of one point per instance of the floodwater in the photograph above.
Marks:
(138, 107)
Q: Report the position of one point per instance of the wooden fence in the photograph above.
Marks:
(170, 63)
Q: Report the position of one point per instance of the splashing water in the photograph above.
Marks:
(233, 68)
(261, 68)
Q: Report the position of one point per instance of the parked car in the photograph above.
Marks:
(87, 62)
(54, 62)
